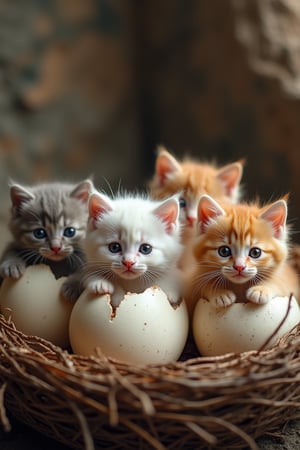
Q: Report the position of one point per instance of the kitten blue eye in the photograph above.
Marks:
(182, 202)
(40, 233)
(224, 251)
(69, 232)
(115, 247)
(145, 249)
(255, 252)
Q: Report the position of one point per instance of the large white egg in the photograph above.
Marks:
(35, 306)
(145, 329)
(241, 326)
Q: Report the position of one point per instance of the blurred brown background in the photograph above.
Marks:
(92, 86)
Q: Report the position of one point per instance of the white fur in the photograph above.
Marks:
(131, 221)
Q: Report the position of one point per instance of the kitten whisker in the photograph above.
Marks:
(155, 272)
(151, 276)
(76, 259)
(214, 279)
(30, 256)
(97, 270)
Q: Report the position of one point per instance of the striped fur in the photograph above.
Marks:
(48, 224)
(241, 254)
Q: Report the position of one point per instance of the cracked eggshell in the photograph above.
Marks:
(35, 306)
(146, 329)
(241, 326)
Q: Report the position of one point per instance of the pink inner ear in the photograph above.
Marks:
(82, 191)
(208, 209)
(98, 206)
(168, 212)
(165, 165)
(19, 195)
(276, 214)
(230, 176)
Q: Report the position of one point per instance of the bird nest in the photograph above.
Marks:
(198, 402)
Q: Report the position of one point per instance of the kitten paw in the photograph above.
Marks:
(258, 294)
(174, 298)
(71, 290)
(9, 269)
(117, 296)
(224, 300)
(98, 287)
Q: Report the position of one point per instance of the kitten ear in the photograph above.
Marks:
(168, 212)
(19, 195)
(276, 215)
(230, 176)
(83, 190)
(165, 165)
(99, 204)
(208, 211)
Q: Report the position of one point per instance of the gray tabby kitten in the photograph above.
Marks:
(48, 223)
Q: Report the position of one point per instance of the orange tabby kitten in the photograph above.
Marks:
(191, 179)
(241, 252)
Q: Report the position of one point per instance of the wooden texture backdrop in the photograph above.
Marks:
(93, 86)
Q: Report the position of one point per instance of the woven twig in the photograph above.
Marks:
(97, 402)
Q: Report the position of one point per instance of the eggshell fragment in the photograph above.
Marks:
(35, 306)
(241, 326)
(146, 329)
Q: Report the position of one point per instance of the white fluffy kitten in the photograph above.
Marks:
(132, 243)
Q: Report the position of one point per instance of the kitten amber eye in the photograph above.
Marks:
(255, 252)
(145, 249)
(40, 233)
(114, 247)
(182, 202)
(69, 232)
(224, 251)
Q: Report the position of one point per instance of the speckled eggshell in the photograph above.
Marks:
(146, 329)
(241, 326)
(35, 306)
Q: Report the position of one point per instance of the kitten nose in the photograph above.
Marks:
(127, 263)
(55, 248)
(191, 220)
(239, 267)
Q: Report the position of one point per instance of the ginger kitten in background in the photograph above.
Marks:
(192, 179)
(241, 254)
(48, 224)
